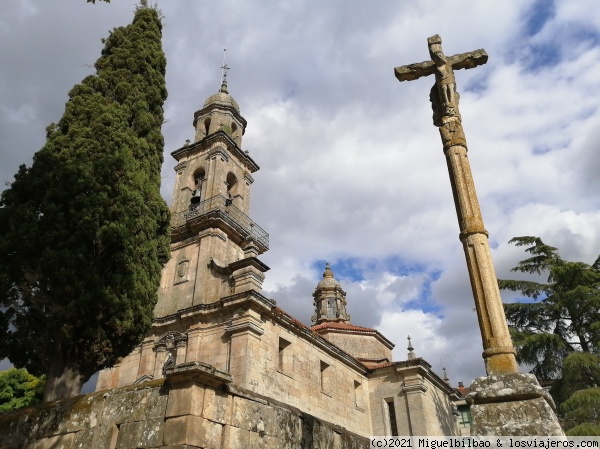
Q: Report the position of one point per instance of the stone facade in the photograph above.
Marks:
(211, 309)
(222, 365)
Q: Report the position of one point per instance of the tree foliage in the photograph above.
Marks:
(19, 389)
(558, 333)
(84, 230)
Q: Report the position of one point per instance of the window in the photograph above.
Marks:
(232, 188)
(331, 307)
(464, 416)
(359, 400)
(285, 362)
(197, 180)
(326, 380)
(392, 415)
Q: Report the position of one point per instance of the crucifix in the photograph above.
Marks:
(498, 353)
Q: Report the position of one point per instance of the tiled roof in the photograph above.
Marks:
(462, 391)
(342, 326)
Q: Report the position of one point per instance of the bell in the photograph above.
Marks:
(195, 197)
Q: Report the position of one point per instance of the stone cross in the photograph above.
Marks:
(499, 353)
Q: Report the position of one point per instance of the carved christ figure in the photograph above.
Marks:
(444, 97)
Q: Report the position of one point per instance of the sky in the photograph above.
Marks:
(352, 169)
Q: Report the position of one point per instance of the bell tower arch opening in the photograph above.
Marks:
(197, 180)
(232, 185)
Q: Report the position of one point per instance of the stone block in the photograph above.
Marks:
(218, 406)
(141, 434)
(253, 416)
(185, 399)
(56, 442)
(133, 405)
(288, 425)
(511, 405)
(234, 437)
(97, 438)
(262, 441)
(193, 430)
(516, 418)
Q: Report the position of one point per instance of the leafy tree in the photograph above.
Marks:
(558, 334)
(19, 389)
(84, 230)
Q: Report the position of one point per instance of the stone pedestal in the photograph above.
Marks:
(512, 405)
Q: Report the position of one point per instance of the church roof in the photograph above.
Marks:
(342, 326)
(223, 98)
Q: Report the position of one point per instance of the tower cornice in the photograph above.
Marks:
(219, 136)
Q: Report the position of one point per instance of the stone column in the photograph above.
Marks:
(161, 358)
(504, 391)
(181, 347)
(147, 359)
(499, 354)
(415, 391)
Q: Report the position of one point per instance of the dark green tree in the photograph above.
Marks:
(558, 333)
(19, 389)
(84, 232)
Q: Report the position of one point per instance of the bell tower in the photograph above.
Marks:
(214, 243)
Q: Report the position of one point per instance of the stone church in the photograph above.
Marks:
(222, 366)
(211, 315)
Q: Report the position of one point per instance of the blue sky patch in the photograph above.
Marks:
(539, 14)
(354, 268)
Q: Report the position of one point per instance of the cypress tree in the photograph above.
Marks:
(84, 232)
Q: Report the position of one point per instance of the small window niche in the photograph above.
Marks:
(326, 378)
(285, 361)
(359, 398)
(391, 410)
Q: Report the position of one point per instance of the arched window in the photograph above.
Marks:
(206, 126)
(232, 187)
(197, 180)
(232, 184)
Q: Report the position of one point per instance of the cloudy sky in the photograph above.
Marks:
(352, 170)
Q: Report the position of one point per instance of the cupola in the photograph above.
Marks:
(330, 300)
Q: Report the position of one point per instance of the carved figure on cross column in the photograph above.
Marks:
(445, 81)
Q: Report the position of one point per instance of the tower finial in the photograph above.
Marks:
(411, 354)
(224, 69)
(446, 379)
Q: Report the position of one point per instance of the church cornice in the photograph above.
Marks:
(211, 107)
(404, 368)
(346, 328)
(219, 136)
(226, 302)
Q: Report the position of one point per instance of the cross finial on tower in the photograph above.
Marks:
(224, 69)
(411, 354)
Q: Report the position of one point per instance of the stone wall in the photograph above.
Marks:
(246, 343)
(419, 398)
(193, 408)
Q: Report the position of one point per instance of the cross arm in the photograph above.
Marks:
(461, 61)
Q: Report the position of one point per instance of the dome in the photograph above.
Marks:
(223, 98)
(328, 280)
